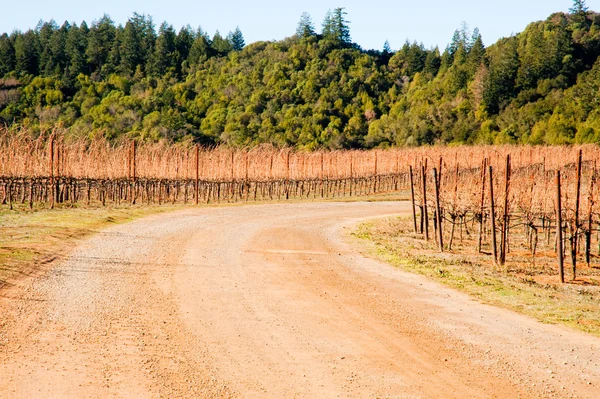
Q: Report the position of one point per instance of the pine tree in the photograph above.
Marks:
(236, 38)
(327, 26)
(579, 7)
(386, 48)
(433, 62)
(476, 52)
(75, 45)
(58, 61)
(184, 42)
(165, 55)
(579, 11)
(340, 25)
(305, 28)
(101, 39)
(137, 44)
(45, 32)
(27, 53)
(201, 49)
(220, 44)
(7, 55)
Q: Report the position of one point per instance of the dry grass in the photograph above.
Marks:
(31, 240)
(531, 289)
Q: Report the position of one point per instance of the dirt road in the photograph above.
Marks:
(269, 301)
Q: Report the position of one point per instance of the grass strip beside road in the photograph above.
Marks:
(32, 240)
(391, 240)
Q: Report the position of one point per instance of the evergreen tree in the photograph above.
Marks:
(433, 62)
(220, 44)
(165, 51)
(476, 53)
(236, 38)
(27, 53)
(114, 56)
(137, 43)
(7, 55)
(45, 32)
(101, 39)
(201, 48)
(305, 28)
(386, 48)
(579, 7)
(341, 30)
(183, 43)
(327, 26)
(57, 62)
(75, 45)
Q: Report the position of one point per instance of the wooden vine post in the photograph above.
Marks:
(52, 171)
(505, 216)
(438, 215)
(57, 181)
(425, 216)
(575, 223)
(559, 231)
(493, 215)
(197, 180)
(375, 175)
(482, 205)
(352, 175)
(133, 174)
(412, 198)
(588, 234)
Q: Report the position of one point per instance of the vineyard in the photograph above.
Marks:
(499, 199)
(48, 171)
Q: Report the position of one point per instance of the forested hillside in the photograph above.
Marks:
(314, 89)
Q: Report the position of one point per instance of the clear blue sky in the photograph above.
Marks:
(372, 22)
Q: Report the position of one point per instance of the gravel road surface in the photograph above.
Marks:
(269, 301)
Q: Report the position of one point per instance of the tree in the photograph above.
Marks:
(27, 53)
(579, 7)
(184, 42)
(220, 44)
(499, 87)
(7, 55)
(100, 41)
(340, 25)
(165, 52)
(305, 28)
(386, 48)
(335, 26)
(236, 38)
(75, 44)
(433, 62)
(137, 44)
(201, 48)
(476, 53)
